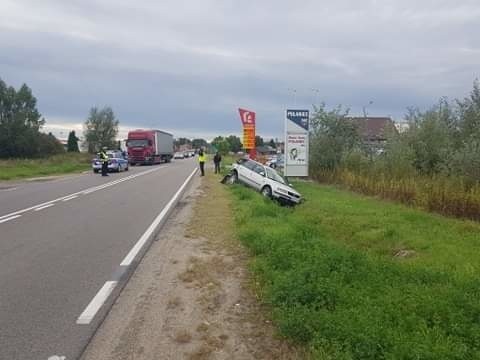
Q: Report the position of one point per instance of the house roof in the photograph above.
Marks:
(373, 128)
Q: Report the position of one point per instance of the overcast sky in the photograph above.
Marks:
(186, 66)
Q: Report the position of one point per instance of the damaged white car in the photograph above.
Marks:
(264, 179)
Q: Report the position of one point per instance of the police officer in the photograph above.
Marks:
(104, 159)
(201, 161)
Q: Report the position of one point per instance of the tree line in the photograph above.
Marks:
(434, 163)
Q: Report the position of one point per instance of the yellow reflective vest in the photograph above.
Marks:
(103, 156)
(202, 158)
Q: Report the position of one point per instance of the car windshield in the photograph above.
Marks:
(134, 143)
(272, 174)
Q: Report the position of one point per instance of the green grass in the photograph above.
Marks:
(58, 164)
(328, 270)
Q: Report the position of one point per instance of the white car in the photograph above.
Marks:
(179, 155)
(264, 179)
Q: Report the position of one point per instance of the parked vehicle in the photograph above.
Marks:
(149, 146)
(264, 179)
(117, 161)
(276, 162)
(179, 155)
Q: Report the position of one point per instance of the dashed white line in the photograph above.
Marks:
(89, 313)
(9, 189)
(43, 207)
(70, 198)
(85, 191)
(9, 218)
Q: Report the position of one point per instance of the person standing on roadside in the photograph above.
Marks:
(216, 160)
(201, 161)
(104, 159)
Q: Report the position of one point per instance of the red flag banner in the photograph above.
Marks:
(247, 117)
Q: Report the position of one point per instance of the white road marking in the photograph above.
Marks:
(70, 198)
(43, 207)
(89, 313)
(85, 191)
(9, 218)
(9, 189)
(146, 235)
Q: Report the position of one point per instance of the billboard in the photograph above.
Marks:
(248, 121)
(296, 142)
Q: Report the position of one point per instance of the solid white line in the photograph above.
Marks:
(95, 188)
(10, 218)
(146, 235)
(43, 207)
(89, 313)
(70, 198)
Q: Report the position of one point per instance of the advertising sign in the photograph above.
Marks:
(296, 142)
(248, 121)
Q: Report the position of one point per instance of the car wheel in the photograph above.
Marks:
(233, 179)
(95, 171)
(267, 191)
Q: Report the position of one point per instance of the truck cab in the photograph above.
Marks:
(149, 146)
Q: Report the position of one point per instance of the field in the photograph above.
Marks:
(351, 277)
(58, 164)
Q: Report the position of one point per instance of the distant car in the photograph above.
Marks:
(276, 162)
(117, 161)
(264, 179)
(179, 155)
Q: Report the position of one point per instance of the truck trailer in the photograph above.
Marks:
(149, 146)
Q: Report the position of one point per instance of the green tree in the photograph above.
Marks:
(333, 137)
(258, 140)
(100, 129)
(198, 143)
(20, 122)
(235, 143)
(272, 143)
(72, 142)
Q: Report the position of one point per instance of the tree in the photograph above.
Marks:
(100, 129)
(198, 143)
(272, 143)
(258, 141)
(182, 141)
(235, 143)
(20, 122)
(72, 142)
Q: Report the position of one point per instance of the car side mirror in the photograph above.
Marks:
(262, 173)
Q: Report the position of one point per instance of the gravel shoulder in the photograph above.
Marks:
(191, 297)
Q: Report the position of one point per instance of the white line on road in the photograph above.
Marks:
(9, 218)
(89, 313)
(85, 191)
(43, 207)
(70, 198)
(9, 189)
(146, 235)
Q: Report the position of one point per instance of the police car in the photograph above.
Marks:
(116, 162)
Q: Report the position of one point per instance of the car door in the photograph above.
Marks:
(257, 176)
(244, 172)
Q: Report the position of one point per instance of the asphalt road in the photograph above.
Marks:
(61, 242)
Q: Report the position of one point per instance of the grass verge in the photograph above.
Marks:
(352, 277)
(57, 164)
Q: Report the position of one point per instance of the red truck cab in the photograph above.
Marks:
(149, 146)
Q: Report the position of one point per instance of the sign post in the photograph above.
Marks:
(296, 142)
(248, 122)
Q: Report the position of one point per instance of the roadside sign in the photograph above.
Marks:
(296, 142)
(248, 121)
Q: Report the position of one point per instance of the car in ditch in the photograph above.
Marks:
(117, 161)
(264, 179)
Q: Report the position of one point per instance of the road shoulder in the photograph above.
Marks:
(191, 296)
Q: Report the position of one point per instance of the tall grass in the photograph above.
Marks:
(57, 164)
(444, 195)
(357, 278)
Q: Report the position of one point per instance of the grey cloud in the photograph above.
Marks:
(187, 65)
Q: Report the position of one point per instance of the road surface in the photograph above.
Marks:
(66, 247)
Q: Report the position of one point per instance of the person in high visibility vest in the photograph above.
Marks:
(201, 161)
(104, 159)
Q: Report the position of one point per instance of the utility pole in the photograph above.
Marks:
(365, 108)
